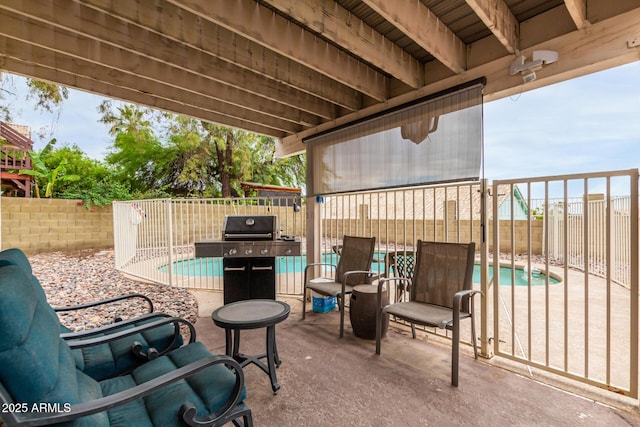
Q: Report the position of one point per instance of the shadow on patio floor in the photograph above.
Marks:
(328, 380)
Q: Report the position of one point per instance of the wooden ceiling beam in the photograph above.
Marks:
(267, 28)
(605, 45)
(578, 11)
(72, 79)
(94, 41)
(183, 27)
(351, 33)
(156, 74)
(497, 16)
(420, 24)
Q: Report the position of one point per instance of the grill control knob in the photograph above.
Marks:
(248, 251)
(233, 251)
(264, 251)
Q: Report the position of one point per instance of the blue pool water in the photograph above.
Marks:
(212, 267)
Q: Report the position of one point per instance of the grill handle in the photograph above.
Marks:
(235, 268)
(248, 236)
(265, 268)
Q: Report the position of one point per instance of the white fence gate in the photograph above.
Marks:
(584, 326)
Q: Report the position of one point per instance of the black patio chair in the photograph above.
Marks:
(41, 385)
(353, 268)
(440, 294)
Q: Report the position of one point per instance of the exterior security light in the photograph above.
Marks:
(528, 68)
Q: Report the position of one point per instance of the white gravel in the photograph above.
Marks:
(79, 277)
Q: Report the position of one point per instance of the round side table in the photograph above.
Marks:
(362, 311)
(253, 314)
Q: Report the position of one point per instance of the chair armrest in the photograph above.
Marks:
(142, 390)
(106, 301)
(111, 327)
(388, 280)
(457, 304)
(88, 342)
(370, 273)
(317, 264)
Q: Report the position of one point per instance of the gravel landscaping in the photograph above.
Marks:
(79, 277)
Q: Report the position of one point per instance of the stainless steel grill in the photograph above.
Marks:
(249, 236)
(248, 247)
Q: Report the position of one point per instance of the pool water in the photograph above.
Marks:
(212, 267)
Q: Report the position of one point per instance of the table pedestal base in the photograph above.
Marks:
(271, 356)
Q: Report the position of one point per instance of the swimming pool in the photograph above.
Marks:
(212, 267)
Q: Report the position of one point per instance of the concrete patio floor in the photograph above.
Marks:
(328, 380)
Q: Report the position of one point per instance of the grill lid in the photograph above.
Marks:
(250, 227)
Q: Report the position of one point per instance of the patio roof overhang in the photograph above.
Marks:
(293, 69)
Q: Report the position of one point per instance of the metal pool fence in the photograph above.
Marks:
(581, 228)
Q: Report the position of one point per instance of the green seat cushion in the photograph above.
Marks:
(115, 357)
(208, 390)
(37, 366)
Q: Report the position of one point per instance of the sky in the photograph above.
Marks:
(588, 124)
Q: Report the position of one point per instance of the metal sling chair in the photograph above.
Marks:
(440, 294)
(353, 268)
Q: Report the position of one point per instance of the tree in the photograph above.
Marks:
(190, 158)
(267, 169)
(47, 176)
(231, 164)
(97, 187)
(192, 167)
(127, 119)
(49, 96)
(137, 155)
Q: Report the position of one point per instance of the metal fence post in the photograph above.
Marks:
(485, 348)
(170, 239)
(634, 283)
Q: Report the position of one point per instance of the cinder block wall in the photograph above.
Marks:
(49, 225)
(407, 232)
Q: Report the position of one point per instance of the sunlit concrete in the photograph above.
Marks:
(328, 380)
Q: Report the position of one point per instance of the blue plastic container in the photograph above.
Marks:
(323, 304)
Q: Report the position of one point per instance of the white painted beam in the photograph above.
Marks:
(72, 79)
(181, 26)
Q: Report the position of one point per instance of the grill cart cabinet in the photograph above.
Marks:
(249, 278)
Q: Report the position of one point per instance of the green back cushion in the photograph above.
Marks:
(105, 360)
(15, 256)
(35, 364)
